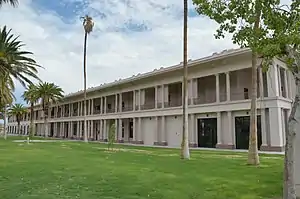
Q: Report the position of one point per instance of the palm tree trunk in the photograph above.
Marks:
(31, 133)
(84, 88)
(185, 153)
(19, 125)
(46, 122)
(5, 115)
(253, 158)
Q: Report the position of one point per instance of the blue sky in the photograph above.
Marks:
(130, 37)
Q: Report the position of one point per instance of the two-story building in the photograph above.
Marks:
(147, 108)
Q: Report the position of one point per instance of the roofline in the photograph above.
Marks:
(214, 56)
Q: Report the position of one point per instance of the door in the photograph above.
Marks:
(242, 129)
(207, 132)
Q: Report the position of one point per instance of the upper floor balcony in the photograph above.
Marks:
(216, 88)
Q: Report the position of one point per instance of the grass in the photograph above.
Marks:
(66, 170)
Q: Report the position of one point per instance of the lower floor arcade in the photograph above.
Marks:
(228, 129)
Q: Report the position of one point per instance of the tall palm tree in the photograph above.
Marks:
(6, 96)
(185, 153)
(14, 61)
(48, 93)
(18, 110)
(14, 3)
(88, 25)
(31, 97)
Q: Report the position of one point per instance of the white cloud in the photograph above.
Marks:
(112, 54)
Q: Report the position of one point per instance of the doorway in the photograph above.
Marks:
(207, 132)
(242, 129)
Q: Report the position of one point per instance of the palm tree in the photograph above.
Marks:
(88, 25)
(14, 3)
(6, 96)
(17, 110)
(185, 153)
(48, 93)
(15, 62)
(30, 96)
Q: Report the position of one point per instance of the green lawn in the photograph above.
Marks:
(88, 171)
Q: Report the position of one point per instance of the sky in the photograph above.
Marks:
(129, 37)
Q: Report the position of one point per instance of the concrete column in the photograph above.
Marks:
(227, 86)
(101, 105)
(156, 138)
(134, 129)
(120, 103)
(286, 88)
(140, 138)
(230, 130)
(133, 100)
(72, 129)
(273, 81)
(219, 128)
(163, 96)
(116, 103)
(276, 136)
(263, 127)
(156, 96)
(217, 88)
(279, 80)
(105, 104)
(191, 135)
(92, 129)
(163, 129)
(70, 109)
(105, 130)
(78, 109)
(139, 99)
(77, 130)
(120, 130)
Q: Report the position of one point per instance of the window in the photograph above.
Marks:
(108, 106)
(246, 93)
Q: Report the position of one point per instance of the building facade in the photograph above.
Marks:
(147, 108)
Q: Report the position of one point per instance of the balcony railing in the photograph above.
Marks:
(127, 108)
(75, 113)
(173, 103)
(111, 110)
(204, 100)
(66, 114)
(147, 106)
(159, 105)
(97, 112)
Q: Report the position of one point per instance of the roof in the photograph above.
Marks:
(212, 57)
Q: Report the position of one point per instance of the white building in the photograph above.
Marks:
(147, 108)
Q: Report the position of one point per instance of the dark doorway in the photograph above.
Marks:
(51, 129)
(242, 129)
(207, 132)
(131, 129)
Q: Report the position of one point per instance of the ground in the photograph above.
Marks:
(88, 171)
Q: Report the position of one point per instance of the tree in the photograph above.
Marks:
(6, 96)
(14, 61)
(88, 25)
(283, 41)
(14, 3)
(31, 97)
(48, 93)
(185, 153)
(111, 136)
(18, 110)
(241, 18)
